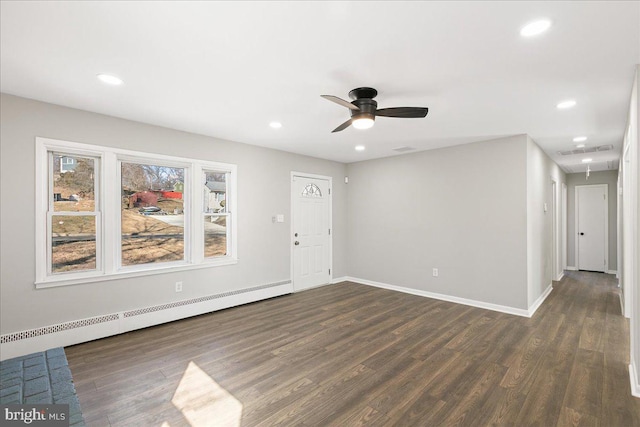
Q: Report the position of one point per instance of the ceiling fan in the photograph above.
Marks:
(364, 109)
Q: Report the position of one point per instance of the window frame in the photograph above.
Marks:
(229, 221)
(51, 212)
(108, 205)
(186, 199)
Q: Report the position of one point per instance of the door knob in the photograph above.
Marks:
(296, 243)
(582, 234)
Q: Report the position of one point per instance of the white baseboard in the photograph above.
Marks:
(612, 272)
(621, 300)
(560, 276)
(443, 297)
(536, 305)
(570, 268)
(78, 331)
(633, 377)
(339, 279)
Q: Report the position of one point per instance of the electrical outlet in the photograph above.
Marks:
(178, 286)
(435, 272)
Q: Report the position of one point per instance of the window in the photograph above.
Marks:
(215, 214)
(106, 213)
(311, 190)
(152, 215)
(73, 216)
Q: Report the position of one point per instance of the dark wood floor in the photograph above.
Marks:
(349, 354)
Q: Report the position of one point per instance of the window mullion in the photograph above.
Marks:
(197, 219)
(111, 208)
(188, 211)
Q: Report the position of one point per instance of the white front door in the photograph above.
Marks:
(311, 232)
(591, 215)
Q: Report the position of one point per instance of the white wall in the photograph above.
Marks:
(630, 172)
(610, 178)
(263, 191)
(541, 170)
(635, 256)
(461, 209)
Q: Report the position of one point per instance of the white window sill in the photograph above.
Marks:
(55, 281)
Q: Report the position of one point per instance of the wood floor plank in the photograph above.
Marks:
(525, 364)
(572, 418)
(585, 383)
(349, 354)
(473, 397)
(592, 334)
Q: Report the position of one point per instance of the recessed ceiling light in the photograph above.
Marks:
(587, 160)
(534, 28)
(580, 145)
(109, 79)
(359, 147)
(275, 125)
(566, 104)
(579, 139)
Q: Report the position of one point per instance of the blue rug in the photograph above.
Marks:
(40, 378)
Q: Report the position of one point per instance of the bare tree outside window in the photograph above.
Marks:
(152, 214)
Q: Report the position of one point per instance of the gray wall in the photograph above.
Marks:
(541, 171)
(263, 190)
(462, 210)
(610, 178)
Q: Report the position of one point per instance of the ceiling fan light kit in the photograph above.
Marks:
(364, 109)
(363, 120)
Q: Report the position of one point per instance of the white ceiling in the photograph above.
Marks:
(227, 69)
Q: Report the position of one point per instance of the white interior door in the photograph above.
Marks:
(311, 232)
(591, 220)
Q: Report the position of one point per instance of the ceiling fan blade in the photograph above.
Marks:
(403, 112)
(342, 126)
(340, 101)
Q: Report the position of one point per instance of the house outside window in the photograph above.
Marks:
(67, 164)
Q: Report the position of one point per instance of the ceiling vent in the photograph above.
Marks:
(403, 149)
(586, 150)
